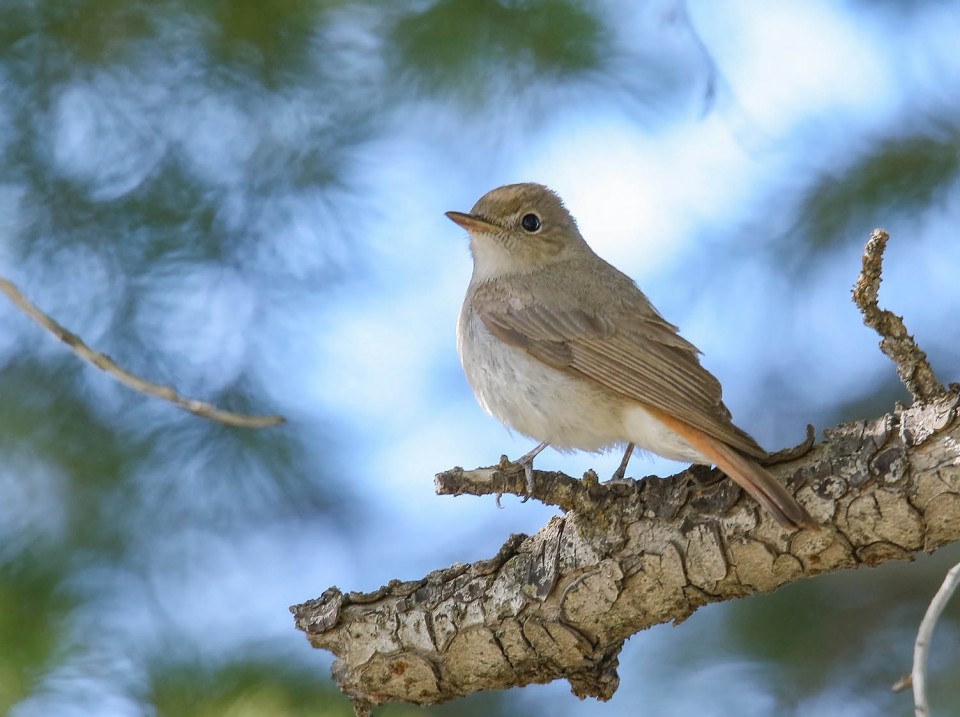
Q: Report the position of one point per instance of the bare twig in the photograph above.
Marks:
(922, 646)
(912, 365)
(105, 363)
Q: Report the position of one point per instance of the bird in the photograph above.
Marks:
(564, 348)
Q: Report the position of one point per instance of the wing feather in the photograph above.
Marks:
(646, 361)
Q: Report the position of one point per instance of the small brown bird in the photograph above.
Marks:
(562, 347)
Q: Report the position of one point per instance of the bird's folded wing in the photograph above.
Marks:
(644, 360)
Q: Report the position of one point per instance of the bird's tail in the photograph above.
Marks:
(750, 475)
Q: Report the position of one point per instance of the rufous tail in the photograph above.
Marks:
(752, 477)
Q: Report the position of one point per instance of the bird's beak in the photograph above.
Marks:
(472, 223)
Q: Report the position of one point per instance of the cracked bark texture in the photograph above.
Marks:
(623, 557)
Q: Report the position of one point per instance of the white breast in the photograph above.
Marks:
(533, 398)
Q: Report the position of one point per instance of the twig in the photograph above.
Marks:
(922, 645)
(105, 363)
(912, 365)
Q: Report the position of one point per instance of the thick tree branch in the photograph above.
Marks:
(105, 363)
(912, 365)
(559, 604)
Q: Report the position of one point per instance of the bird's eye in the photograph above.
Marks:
(530, 223)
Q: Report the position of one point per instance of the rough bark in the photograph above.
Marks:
(625, 556)
(560, 604)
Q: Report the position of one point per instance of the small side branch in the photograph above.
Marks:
(912, 364)
(105, 363)
(550, 488)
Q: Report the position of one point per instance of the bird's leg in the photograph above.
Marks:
(526, 460)
(621, 472)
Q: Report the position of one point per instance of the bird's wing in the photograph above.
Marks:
(643, 359)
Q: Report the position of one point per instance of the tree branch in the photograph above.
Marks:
(560, 604)
(105, 363)
(912, 364)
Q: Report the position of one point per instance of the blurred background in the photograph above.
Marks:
(245, 200)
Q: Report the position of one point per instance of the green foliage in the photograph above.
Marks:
(97, 31)
(901, 175)
(478, 50)
(243, 688)
(34, 608)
